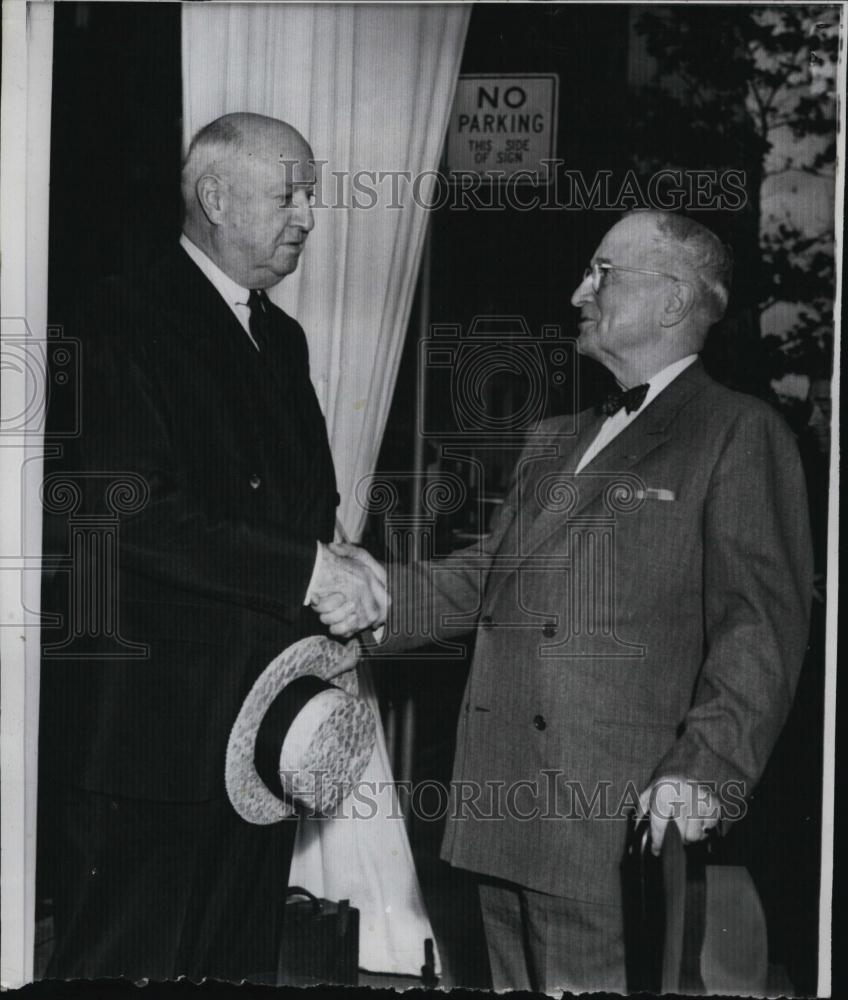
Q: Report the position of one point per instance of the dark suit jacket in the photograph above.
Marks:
(222, 481)
(646, 617)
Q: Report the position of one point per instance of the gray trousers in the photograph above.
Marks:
(548, 944)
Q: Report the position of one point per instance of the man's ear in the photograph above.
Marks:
(678, 303)
(210, 196)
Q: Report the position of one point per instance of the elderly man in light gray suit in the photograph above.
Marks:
(657, 678)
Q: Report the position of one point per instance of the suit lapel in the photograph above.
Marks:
(539, 469)
(617, 463)
(257, 387)
(590, 424)
(281, 374)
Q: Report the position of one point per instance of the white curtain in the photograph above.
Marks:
(371, 89)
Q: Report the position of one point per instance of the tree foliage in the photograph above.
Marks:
(753, 89)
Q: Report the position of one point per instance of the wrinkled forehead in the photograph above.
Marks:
(634, 240)
(281, 159)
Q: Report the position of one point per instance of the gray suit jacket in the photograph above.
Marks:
(646, 617)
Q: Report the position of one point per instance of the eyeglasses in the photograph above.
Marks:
(598, 271)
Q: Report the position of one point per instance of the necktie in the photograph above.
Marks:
(630, 399)
(260, 318)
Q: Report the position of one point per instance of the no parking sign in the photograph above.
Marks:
(502, 125)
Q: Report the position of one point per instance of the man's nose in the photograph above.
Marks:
(583, 292)
(304, 218)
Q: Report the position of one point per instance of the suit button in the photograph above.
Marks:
(549, 630)
(486, 621)
(255, 482)
(539, 722)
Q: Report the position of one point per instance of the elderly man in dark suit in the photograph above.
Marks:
(204, 482)
(646, 667)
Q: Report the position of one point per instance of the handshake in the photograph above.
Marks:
(348, 591)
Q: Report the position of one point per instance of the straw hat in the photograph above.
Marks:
(299, 740)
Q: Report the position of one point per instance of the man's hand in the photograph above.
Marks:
(691, 805)
(349, 593)
(348, 551)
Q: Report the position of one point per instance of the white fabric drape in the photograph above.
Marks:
(371, 89)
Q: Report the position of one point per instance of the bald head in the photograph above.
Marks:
(232, 142)
(247, 185)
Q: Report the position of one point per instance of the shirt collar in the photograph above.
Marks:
(231, 291)
(667, 375)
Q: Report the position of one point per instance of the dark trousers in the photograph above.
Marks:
(548, 944)
(160, 889)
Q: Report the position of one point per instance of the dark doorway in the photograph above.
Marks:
(115, 142)
(114, 182)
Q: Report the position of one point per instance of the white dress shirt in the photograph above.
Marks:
(230, 291)
(615, 424)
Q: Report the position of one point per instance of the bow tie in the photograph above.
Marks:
(630, 399)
